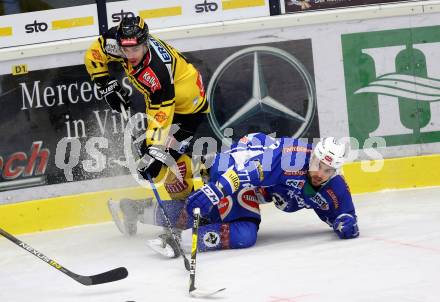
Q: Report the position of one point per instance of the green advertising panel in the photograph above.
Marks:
(392, 82)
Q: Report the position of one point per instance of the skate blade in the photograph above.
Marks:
(166, 251)
(115, 211)
(200, 293)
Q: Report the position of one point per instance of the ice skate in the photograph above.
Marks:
(164, 245)
(126, 214)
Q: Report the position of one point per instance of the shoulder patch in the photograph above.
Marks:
(96, 55)
(112, 48)
(161, 52)
(334, 198)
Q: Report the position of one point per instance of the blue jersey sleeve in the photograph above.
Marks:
(257, 160)
(248, 163)
(338, 195)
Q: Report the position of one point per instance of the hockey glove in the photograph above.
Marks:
(114, 95)
(204, 198)
(345, 225)
(154, 158)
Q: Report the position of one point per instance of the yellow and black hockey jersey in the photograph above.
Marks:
(168, 81)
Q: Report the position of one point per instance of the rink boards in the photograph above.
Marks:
(366, 73)
(90, 208)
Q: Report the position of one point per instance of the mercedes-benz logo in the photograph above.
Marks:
(240, 94)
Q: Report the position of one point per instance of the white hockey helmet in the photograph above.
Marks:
(330, 152)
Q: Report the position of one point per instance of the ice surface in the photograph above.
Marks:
(297, 258)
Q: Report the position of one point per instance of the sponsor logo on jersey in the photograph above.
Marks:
(300, 202)
(291, 193)
(233, 179)
(225, 206)
(333, 197)
(162, 52)
(320, 201)
(176, 186)
(96, 55)
(211, 239)
(248, 199)
(112, 47)
(279, 201)
(295, 183)
(296, 149)
(295, 173)
(150, 79)
(160, 116)
(200, 85)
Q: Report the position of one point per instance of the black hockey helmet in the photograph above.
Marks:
(132, 31)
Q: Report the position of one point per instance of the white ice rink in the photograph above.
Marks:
(297, 258)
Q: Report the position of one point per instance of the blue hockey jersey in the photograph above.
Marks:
(278, 170)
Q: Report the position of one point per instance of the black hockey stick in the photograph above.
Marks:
(193, 291)
(109, 276)
(168, 222)
(161, 205)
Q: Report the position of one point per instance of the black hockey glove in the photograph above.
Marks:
(114, 95)
(154, 158)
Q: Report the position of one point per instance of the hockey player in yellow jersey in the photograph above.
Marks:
(174, 94)
(172, 87)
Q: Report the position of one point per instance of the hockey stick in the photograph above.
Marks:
(109, 276)
(193, 291)
(168, 222)
(161, 205)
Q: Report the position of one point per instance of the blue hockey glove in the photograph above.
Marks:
(345, 225)
(204, 198)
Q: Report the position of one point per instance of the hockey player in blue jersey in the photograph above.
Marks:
(261, 169)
